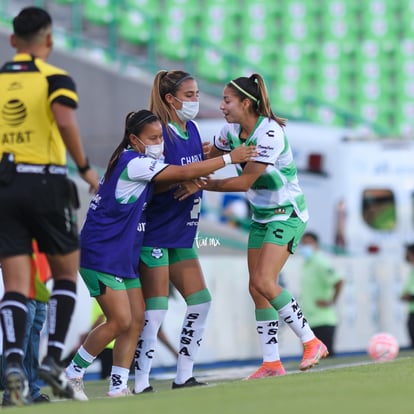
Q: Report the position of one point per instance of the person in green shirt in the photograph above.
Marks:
(320, 287)
(408, 291)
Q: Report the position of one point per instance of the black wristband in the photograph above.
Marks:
(86, 167)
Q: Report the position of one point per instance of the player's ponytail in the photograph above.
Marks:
(166, 82)
(264, 106)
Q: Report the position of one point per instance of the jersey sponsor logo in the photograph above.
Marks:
(95, 202)
(157, 253)
(264, 150)
(188, 334)
(270, 133)
(265, 147)
(191, 158)
(195, 211)
(278, 233)
(56, 169)
(35, 169)
(20, 137)
(14, 86)
(14, 112)
(152, 165)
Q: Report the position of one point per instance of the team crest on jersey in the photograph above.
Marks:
(157, 253)
(223, 141)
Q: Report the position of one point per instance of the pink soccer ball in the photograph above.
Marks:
(383, 347)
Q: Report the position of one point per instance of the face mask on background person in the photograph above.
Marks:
(306, 251)
(188, 111)
(153, 151)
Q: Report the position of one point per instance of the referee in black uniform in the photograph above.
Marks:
(37, 201)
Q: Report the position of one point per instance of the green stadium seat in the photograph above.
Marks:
(339, 22)
(99, 12)
(353, 54)
(258, 34)
(405, 117)
(218, 25)
(300, 21)
(149, 7)
(177, 28)
(135, 27)
(212, 65)
(258, 59)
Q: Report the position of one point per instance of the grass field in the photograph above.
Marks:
(337, 386)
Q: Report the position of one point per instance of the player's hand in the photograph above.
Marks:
(91, 177)
(206, 150)
(243, 154)
(187, 188)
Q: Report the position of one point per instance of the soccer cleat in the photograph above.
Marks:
(78, 389)
(145, 390)
(42, 398)
(54, 375)
(191, 382)
(119, 393)
(17, 386)
(313, 351)
(268, 369)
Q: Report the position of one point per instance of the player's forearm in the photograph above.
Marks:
(232, 184)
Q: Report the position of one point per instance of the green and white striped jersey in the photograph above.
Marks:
(276, 193)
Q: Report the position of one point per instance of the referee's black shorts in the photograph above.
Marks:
(41, 207)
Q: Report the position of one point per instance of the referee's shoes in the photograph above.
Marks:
(55, 376)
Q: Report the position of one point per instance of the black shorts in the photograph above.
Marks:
(41, 207)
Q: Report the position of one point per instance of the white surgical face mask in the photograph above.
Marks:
(188, 111)
(306, 251)
(153, 151)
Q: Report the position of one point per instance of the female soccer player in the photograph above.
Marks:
(111, 239)
(169, 252)
(279, 215)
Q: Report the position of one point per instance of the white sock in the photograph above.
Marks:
(118, 379)
(79, 363)
(191, 335)
(267, 331)
(292, 315)
(144, 354)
